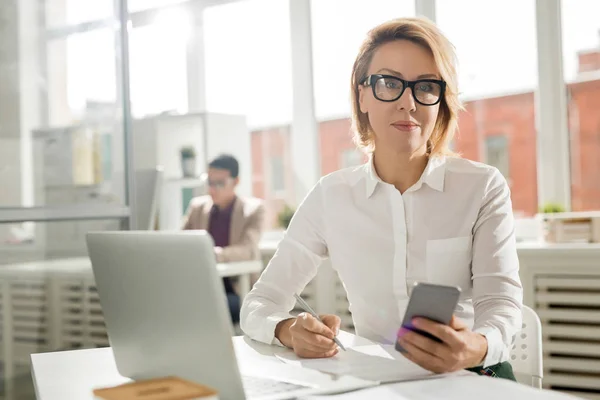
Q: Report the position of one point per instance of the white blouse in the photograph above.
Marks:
(454, 226)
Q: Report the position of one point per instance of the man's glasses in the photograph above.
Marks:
(388, 88)
(215, 184)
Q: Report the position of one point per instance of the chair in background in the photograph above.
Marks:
(148, 187)
(526, 353)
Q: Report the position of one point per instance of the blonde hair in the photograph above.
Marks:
(424, 33)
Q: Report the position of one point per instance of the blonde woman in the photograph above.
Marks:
(414, 212)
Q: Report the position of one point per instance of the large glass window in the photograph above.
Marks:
(140, 5)
(497, 79)
(338, 29)
(581, 52)
(248, 61)
(61, 117)
(61, 156)
(158, 64)
(59, 13)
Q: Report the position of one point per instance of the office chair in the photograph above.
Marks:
(526, 353)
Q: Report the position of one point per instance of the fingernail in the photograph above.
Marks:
(416, 322)
(337, 331)
(401, 332)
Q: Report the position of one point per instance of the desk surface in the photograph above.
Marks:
(74, 375)
(82, 265)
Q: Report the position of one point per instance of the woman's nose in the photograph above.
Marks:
(406, 101)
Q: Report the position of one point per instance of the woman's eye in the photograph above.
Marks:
(391, 85)
(424, 87)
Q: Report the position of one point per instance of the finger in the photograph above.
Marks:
(443, 332)
(421, 357)
(312, 324)
(319, 342)
(310, 354)
(333, 322)
(458, 324)
(426, 344)
(300, 344)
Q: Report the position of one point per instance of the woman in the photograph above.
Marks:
(414, 212)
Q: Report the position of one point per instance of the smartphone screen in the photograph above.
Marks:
(431, 301)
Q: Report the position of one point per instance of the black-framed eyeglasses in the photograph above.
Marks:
(216, 184)
(388, 88)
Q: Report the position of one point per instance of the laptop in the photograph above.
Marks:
(166, 314)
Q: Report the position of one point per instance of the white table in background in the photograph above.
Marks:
(75, 374)
(82, 266)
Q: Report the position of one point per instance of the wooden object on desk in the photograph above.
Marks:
(571, 227)
(169, 388)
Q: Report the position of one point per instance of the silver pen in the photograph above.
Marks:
(309, 310)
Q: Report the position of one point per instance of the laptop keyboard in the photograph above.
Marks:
(255, 386)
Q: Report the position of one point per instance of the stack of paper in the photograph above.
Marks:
(378, 363)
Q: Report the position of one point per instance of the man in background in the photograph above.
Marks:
(235, 223)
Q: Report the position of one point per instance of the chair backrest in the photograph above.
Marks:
(526, 353)
(148, 186)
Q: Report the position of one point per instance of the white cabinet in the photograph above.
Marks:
(158, 141)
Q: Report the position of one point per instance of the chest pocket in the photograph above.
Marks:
(449, 262)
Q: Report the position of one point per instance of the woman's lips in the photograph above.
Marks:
(405, 127)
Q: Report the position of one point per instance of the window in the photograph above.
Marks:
(496, 153)
(352, 158)
(498, 93)
(581, 61)
(91, 69)
(338, 29)
(140, 5)
(277, 175)
(248, 61)
(158, 64)
(59, 13)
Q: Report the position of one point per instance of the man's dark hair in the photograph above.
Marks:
(227, 162)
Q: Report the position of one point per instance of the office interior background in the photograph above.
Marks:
(95, 121)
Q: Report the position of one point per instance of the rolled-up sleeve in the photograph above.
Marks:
(497, 290)
(293, 266)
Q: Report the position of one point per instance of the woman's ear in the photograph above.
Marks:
(361, 99)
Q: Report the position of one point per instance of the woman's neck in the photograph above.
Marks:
(401, 170)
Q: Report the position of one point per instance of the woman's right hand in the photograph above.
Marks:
(308, 337)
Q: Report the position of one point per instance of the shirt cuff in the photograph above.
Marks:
(219, 255)
(496, 347)
(271, 324)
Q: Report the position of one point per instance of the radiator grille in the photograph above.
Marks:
(24, 317)
(81, 319)
(569, 308)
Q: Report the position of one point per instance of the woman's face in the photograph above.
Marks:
(404, 125)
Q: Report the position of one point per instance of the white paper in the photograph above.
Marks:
(470, 387)
(379, 363)
(385, 392)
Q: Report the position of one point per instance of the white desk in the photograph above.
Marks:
(74, 375)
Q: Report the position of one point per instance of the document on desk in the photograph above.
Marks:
(378, 363)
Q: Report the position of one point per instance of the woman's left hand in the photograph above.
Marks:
(460, 348)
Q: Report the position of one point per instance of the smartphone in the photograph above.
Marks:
(431, 301)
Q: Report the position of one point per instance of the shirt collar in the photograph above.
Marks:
(227, 210)
(433, 175)
(372, 177)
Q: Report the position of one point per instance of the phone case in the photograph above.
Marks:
(431, 301)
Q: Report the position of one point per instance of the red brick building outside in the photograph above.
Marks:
(497, 130)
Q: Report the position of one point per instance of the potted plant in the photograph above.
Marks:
(547, 217)
(188, 161)
(552, 208)
(285, 216)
